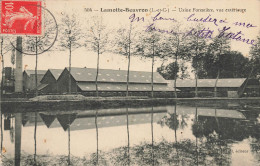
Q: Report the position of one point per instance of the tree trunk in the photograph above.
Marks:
(35, 143)
(196, 74)
(69, 143)
(196, 84)
(175, 123)
(70, 69)
(2, 60)
(36, 66)
(240, 92)
(196, 142)
(129, 60)
(175, 77)
(96, 135)
(152, 71)
(176, 64)
(175, 133)
(215, 87)
(1, 123)
(96, 81)
(128, 137)
(152, 137)
(128, 71)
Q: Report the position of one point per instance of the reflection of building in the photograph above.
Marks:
(49, 81)
(81, 120)
(112, 82)
(29, 78)
(209, 112)
(230, 87)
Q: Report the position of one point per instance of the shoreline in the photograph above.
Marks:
(103, 103)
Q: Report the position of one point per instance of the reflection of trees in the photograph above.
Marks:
(98, 157)
(35, 142)
(165, 154)
(119, 156)
(96, 137)
(217, 148)
(225, 128)
(220, 150)
(219, 132)
(1, 123)
(183, 122)
(255, 148)
(18, 135)
(255, 142)
(65, 121)
(152, 137)
(46, 160)
(128, 137)
(171, 120)
(12, 131)
(197, 126)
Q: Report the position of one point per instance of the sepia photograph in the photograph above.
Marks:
(130, 83)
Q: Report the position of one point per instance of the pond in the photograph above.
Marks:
(167, 135)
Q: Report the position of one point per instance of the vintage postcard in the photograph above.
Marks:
(113, 82)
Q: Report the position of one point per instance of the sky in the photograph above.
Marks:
(84, 58)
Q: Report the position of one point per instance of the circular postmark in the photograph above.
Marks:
(38, 44)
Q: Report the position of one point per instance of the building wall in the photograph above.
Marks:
(252, 89)
(29, 81)
(26, 81)
(63, 83)
(51, 81)
(131, 93)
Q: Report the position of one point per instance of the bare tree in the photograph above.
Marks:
(5, 48)
(152, 46)
(2, 60)
(174, 49)
(97, 37)
(35, 45)
(70, 38)
(196, 48)
(255, 56)
(218, 47)
(126, 44)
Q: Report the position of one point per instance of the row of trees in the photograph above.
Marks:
(210, 58)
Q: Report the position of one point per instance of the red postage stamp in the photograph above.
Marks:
(21, 17)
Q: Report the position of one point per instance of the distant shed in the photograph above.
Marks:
(112, 82)
(231, 87)
(29, 78)
(49, 81)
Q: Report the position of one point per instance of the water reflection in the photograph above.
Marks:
(173, 135)
(18, 135)
(1, 123)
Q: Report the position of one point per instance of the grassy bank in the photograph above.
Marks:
(103, 103)
(219, 102)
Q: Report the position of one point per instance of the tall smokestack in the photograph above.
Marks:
(19, 66)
